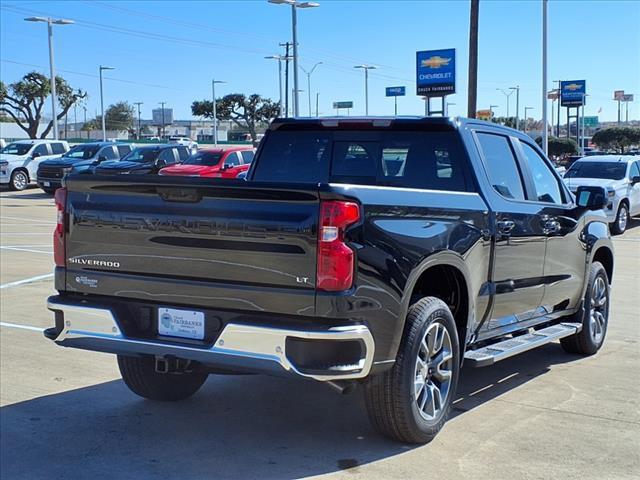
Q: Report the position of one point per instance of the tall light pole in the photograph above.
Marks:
(215, 110)
(545, 133)
(54, 99)
(138, 105)
(279, 58)
(517, 90)
(104, 128)
(294, 27)
(491, 107)
(309, 83)
(366, 69)
(506, 94)
(525, 117)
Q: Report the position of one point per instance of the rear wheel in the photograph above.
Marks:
(19, 180)
(411, 401)
(594, 318)
(139, 374)
(622, 219)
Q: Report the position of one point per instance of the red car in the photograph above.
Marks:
(214, 162)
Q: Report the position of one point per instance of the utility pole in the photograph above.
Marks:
(559, 105)
(85, 121)
(473, 59)
(104, 127)
(317, 102)
(286, 78)
(309, 83)
(139, 130)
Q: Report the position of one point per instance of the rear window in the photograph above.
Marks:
(58, 148)
(414, 159)
(589, 169)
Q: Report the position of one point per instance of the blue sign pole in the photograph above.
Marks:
(395, 92)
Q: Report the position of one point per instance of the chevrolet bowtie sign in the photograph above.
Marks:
(573, 93)
(436, 72)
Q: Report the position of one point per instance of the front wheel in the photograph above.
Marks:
(411, 401)
(622, 219)
(594, 318)
(139, 374)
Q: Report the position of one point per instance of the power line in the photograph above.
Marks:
(83, 74)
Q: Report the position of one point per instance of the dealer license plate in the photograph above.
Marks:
(181, 323)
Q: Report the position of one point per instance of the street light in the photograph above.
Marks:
(525, 117)
(517, 90)
(215, 110)
(506, 95)
(366, 69)
(104, 129)
(279, 58)
(309, 83)
(162, 104)
(139, 129)
(491, 107)
(50, 22)
(294, 21)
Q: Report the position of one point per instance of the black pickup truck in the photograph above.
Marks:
(383, 252)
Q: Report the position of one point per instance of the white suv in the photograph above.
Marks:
(619, 175)
(186, 141)
(19, 160)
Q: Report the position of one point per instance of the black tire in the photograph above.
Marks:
(623, 211)
(586, 342)
(19, 180)
(139, 374)
(390, 397)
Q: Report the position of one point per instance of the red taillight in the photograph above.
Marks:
(335, 258)
(59, 232)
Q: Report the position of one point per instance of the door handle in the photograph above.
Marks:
(505, 226)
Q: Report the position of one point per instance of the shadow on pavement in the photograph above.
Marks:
(236, 427)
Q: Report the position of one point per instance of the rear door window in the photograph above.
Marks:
(501, 165)
(247, 156)
(123, 150)
(108, 153)
(58, 148)
(183, 154)
(41, 150)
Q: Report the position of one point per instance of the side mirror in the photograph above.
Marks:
(101, 158)
(35, 155)
(635, 180)
(592, 198)
(226, 166)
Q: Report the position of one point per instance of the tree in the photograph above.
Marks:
(24, 100)
(558, 147)
(120, 116)
(244, 111)
(617, 138)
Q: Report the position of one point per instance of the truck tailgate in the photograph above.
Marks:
(126, 236)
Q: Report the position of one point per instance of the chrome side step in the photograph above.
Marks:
(513, 346)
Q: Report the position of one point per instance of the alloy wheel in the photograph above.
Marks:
(20, 181)
(623, 218)
(433, 371)
(599, 310)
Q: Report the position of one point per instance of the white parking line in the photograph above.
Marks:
(25, 281)
(23, 327)
(19, 249)
(23, 234)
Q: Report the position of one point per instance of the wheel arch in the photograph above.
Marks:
(455, 291)
(604, 255)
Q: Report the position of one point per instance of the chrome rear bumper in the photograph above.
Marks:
(245, 347)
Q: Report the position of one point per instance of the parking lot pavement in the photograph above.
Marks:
(66, 414)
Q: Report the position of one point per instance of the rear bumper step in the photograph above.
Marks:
(490, 354)
(243, 347)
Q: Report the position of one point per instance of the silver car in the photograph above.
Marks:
(619, 175)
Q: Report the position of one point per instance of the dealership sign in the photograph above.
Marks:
(618, 94)
(573, 93)
(338, 105)
(436, 72)
(395, 91)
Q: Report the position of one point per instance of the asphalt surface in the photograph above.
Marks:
(66, 414)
